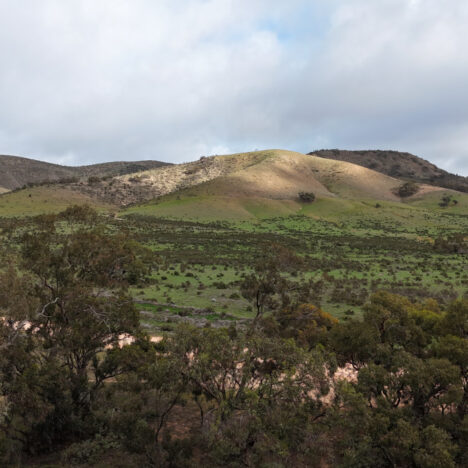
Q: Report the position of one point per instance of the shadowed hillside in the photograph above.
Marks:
(401, 165)
(16, 172)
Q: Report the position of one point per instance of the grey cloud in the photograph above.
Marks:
(85, 81)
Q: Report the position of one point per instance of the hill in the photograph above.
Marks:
(281, 175)
(16, 172)
(270, 174)
(45, 199)
(401, 165)
(261, 184)
(266, 184)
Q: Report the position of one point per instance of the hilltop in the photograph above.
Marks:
(405, 166)
(16, 172)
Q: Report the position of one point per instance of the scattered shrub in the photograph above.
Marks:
(407, 189)
(306, 197)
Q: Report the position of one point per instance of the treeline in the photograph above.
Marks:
(42, 183)
(82, 384)
(91, 180)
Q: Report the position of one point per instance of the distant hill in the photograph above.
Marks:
(270, 174)
(238, 186)
(16, 172)
(401, 165)
(267, 184)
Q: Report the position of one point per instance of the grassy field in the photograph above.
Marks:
(44, 199)
(211, 208)
(348, 254)
(200, 206)
(205, 245)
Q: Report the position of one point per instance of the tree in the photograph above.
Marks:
(306, 197)
(407, 189)
(267, 286)
(261, 389)
(307, 324)
(455, 349)
(61, 311)
(145, 396)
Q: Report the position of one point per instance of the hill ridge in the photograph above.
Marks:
(261, 183)
(398, 164)
(274, 174)
(18, 171)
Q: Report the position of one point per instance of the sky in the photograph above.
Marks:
(85, 81)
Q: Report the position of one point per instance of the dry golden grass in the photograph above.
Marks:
(249, 184)
(274, 174)
(428, 189)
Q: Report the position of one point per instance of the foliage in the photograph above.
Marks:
(448, 200)
(61, 311)
(457, 243)
(291, 386)
(306, 197)
(267, 287)
(407, 189)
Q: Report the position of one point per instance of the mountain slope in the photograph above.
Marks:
(265, 184)
(401, 165)
(252, 185)
(16, 172)
(143, 186)
(283, 174)
(117, 168)
(271, 174)
(45, 199)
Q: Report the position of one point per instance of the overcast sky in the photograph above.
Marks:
(85, 81)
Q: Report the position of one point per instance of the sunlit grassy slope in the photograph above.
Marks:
(432, 200)
(271, 174)
(246, 186)
(44, 199)
(208, 208)
(261, 185)
(266, 184)
(419, 212)
(283, 174)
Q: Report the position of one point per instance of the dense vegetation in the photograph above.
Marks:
(407, 190)
(103, 363)
(306, 197)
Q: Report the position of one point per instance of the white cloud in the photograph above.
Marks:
(85, 81)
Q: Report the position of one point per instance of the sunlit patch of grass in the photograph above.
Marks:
(44, 199)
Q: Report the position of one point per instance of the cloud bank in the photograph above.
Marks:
(84, 81)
